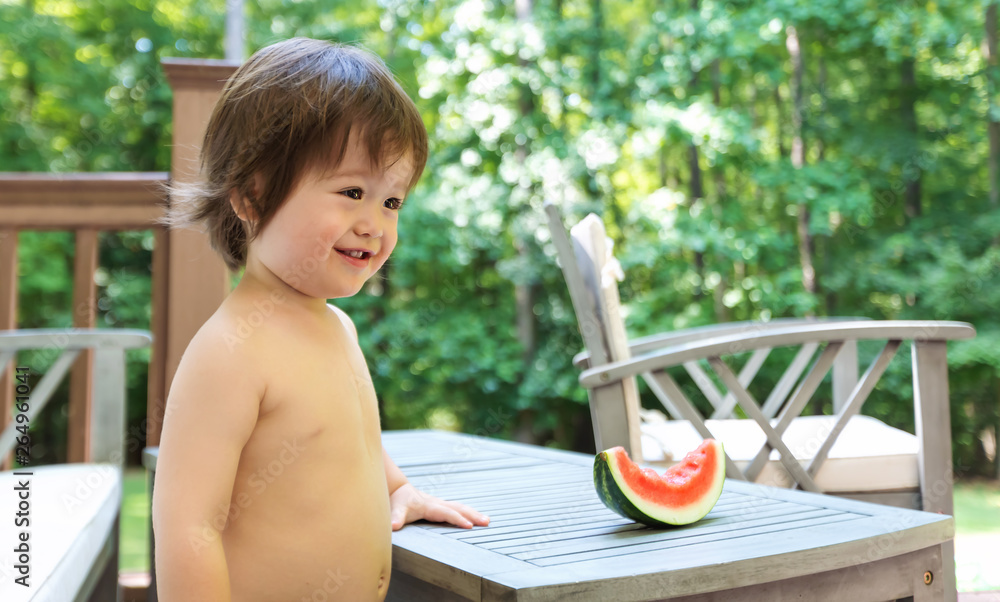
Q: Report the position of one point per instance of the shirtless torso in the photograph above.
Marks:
(308, 513)
(305, 458)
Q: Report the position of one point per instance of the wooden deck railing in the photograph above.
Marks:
(85, 204)
(189, 280)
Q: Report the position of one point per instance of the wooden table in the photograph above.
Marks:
(550, 538)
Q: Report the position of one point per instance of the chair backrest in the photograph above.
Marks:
(105, 429)
(592, 276)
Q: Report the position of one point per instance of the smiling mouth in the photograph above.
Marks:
(355, 253)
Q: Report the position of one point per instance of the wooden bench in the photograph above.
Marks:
(71, 510)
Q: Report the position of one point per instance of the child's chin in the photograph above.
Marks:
(344, 292)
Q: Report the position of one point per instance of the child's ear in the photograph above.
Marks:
(241, 205)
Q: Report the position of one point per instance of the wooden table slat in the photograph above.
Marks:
(477, 465)
(575, 532)
(528, 523)
(593, 547)
(533, 508)
(554, 534)
(479, 488)
(458, 485)
(450, 473)
(581, 521)
(542, 508)
(528, 496)
(724, 526)
(445, 457)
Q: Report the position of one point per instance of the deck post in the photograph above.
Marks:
(81, 383)
(8, 321)
(197, 279)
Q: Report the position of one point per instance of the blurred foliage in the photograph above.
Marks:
(594, 105)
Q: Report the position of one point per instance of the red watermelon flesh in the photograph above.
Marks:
(685, 493)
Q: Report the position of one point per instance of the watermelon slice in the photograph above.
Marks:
(683, 494)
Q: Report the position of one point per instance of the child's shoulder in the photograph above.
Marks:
(220, 368)
(220, 340)
(238, 332)
(345, 320)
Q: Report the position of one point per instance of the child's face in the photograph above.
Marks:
(314, 240)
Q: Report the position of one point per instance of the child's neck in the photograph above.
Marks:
(260, 282)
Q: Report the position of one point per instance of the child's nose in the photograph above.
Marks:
(369, 223)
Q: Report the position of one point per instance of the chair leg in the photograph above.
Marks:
(151, 595)
(933, 426)
(845, 374)
(939, 588)
(105, 588)
(948, 571)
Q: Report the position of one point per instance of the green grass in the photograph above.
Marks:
(977, 535)
(977, 507)
(133, 555)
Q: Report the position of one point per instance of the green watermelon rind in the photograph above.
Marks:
(613, 496)
(626, 503)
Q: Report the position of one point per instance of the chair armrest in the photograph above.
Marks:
(646, 344)
(75, 338)
(106, 423)
(784, 335)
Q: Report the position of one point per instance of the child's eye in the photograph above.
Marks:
(393, 203)
(354, 193)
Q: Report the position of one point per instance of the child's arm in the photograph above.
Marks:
(407, 503)
(212, 409)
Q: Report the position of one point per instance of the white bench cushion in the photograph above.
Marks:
(73, 509)
(868, 455)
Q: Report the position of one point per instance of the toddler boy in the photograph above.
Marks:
(271, 483)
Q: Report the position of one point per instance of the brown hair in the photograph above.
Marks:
(291, 107)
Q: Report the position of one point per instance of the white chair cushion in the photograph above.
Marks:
(591, 236)
(72, 510)
(868, 455)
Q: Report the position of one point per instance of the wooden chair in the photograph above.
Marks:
(72, 544)
(844, 454)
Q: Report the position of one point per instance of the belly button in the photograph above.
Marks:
(381, 581)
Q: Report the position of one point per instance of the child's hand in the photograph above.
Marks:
(408, 504)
